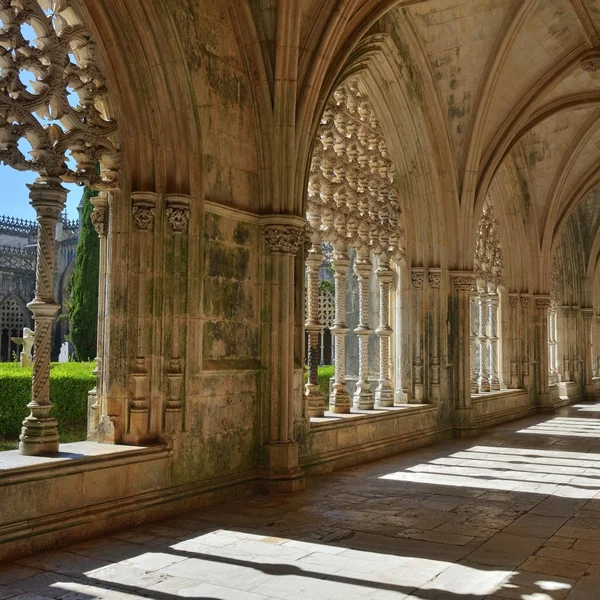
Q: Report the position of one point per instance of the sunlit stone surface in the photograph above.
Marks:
(514, 515)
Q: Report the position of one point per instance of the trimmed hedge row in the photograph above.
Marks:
(69, 386)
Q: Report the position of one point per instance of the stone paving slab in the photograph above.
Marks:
(515, 515)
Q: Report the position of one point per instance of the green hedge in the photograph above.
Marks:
(69, 386)
(325, 374)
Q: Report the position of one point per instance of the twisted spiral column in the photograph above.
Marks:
(493, 302)
(339, 399)
(315, 400)
(39, 434)
(363, 397)
(384, 394)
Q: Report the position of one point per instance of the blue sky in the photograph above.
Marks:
(14, 194)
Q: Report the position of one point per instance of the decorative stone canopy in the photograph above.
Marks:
(52, 95)
(489, 262)
(352, 198)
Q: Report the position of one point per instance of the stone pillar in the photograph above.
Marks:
(542, 304)
(39, 434)
(404, 334)
(473, 341)
(513, 302)
(575, 345)
(284, 236)
(493, 303)
(339, 399)
(417, 278)
(99, 218)
(524, 322)
(178, 215)
(588, 315)
(363, 397)
(460, 332)
(553, 345)
(483, 380)
(434, 277)
(137, 427)
(564, 343)
(314, 398)
(597, 347)
(384, 394)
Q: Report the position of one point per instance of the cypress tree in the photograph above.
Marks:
(84, 285)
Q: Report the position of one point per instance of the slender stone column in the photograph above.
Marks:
(315, 400)
(552, 341)
(339, 399)
(565, 344)
(384, 394)
(417, 279)
(363, 397)
(460, 329)
(99, 221)
(284, 235)
(178, 215)
(597, 347)
(39, 434)
(473, 341)
(588, 315)
(513, 301)
(434, 277)
(575, 354)
(524, 322)
(483, 380)
(542, 304)
(493, 302)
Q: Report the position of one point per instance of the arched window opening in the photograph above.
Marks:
(485, 306)
(54, 121)
(353, 210)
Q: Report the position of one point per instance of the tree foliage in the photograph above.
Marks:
(84, 285)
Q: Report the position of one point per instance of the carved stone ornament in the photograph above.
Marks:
(434, 279)
(283, 239)
(98, 220)
(61, 65)
(513, 300)
(587, 313)
(143, 217)
(591, 65)
(417, 278)
(463, 283)
(178, 217)
(524, 301)
(543, 303)
(488, 260)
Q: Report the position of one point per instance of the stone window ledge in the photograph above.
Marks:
(377, 414)
(498, 394)
(73, 458)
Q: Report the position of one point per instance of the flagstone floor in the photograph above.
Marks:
(514, 514)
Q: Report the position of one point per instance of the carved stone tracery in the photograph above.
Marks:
(53, 96)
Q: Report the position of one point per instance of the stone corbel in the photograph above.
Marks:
(283, 234)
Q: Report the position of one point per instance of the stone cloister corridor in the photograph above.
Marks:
(512, 515)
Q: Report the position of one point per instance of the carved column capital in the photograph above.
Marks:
(178, 213)
(513, 300)
(143, 207)
(543, 302)
(524, 299)
(434, 277)
(283, 234)
(587, 313)
(463, 281)
(417, 278)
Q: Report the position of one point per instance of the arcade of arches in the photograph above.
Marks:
(408, 191)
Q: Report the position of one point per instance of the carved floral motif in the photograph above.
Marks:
(178, 217)
(143, 217)
(282, 239)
